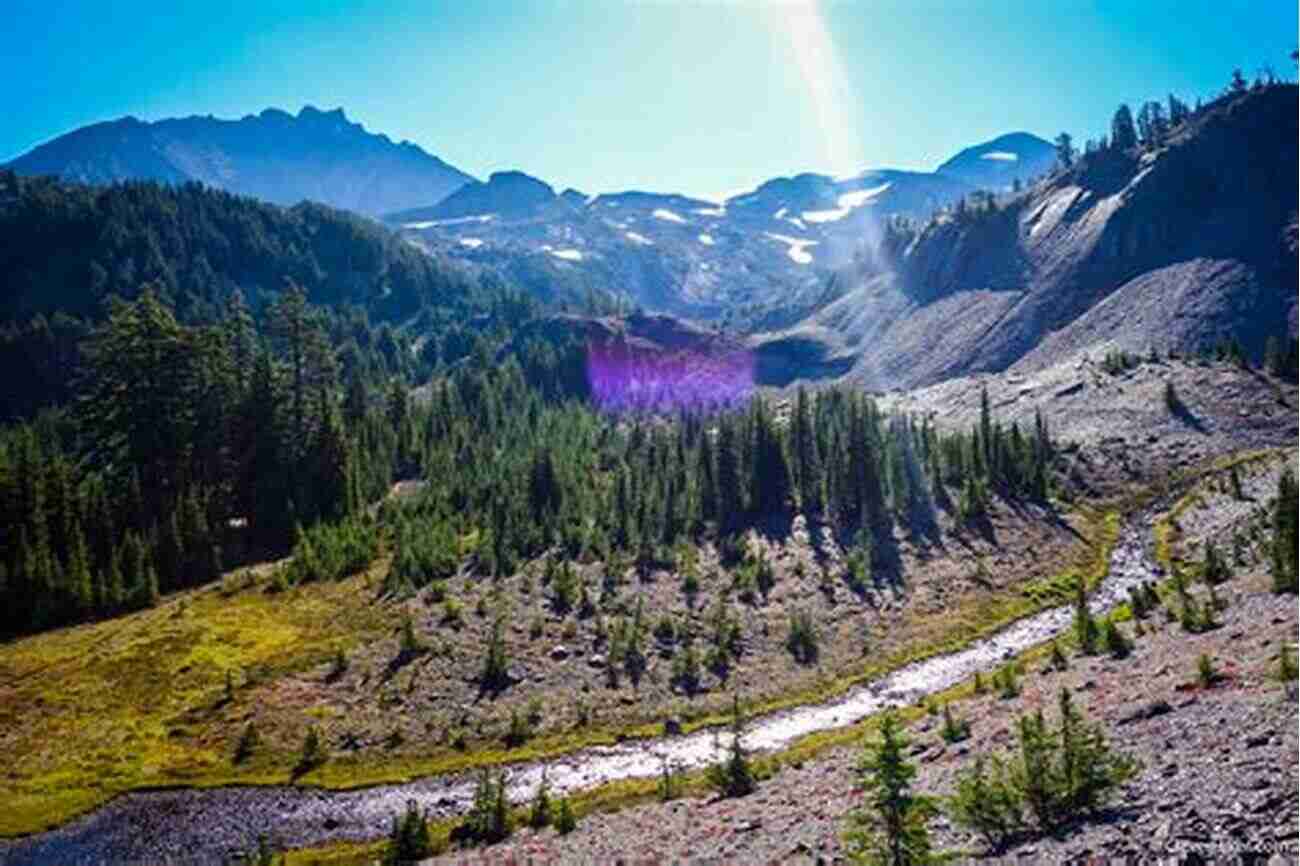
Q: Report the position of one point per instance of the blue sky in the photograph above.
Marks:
(697, 97)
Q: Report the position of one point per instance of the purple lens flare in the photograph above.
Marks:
(623, 379)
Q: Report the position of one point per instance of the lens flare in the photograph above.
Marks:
(804, 26)
(623, 379)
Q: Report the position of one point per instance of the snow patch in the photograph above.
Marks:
(477, 218)
(859, 197)
(423, 224)
(797, 251)
(472, 243)
(707, 240)
(569, 255)
(667, 215)
(711, 211)
(847, 202)
(639, 239)
(1000, 156)
(825, 216)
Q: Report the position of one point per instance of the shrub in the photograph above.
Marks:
(564, 588)
(1007, 682)
(733, 776)
(954, 730)
(408, 840)
(488, 820)
(1172, 401)
(686, 670)
(453, 613)
(495, 676)
(1085, 627)
(312, 754)
(425, 550)
(1114, 640)
(801, 640)
(520, 730)
(988, 801)
(247, 744)
(410, 644)
(1286, 665)
(539, 815)
(566, 822)
(340, 665)
(332, 551)
(1215, 568)
(1059, 661)
(1064, 771)
(1206, 673)
(1137, 602)
(670, 780)
(263, 854)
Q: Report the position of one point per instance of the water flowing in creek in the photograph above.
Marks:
(207, 825)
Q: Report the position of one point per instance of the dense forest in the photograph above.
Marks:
(194, 446)
(70, 249)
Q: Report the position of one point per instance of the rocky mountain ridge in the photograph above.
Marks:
(275, 156)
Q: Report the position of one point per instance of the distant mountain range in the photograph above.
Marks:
(275, 156)
(773, 245)
(777, 243)
(1171, 245)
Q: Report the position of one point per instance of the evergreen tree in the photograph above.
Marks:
(1123, 134)
(889, 828)
(1284, 542)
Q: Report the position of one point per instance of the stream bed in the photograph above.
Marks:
(208, 826)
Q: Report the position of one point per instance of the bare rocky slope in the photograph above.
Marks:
(1171, 248)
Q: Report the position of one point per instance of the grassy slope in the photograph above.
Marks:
(90, 711)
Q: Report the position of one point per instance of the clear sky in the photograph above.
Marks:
(697, 97)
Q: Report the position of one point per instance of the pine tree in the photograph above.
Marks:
(1085, 627)
(408, 840)
(889, 828)
(1284, 542)
(734, 777)
(1123, 135)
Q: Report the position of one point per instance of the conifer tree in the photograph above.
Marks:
(889, 828)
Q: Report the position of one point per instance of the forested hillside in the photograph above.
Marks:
(69, 248)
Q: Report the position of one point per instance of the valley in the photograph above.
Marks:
(358, 509)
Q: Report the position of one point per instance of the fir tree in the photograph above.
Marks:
(889, 828)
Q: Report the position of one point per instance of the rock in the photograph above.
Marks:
(1257, 740)
(596, 661)
(1148, 710)
(331, 823)
(672, 726)
(560, 652)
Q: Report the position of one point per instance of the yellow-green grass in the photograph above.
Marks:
(139, 701)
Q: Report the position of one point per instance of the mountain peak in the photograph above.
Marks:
(999, 162)
(318, 155)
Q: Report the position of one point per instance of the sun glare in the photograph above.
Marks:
(804, 25)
